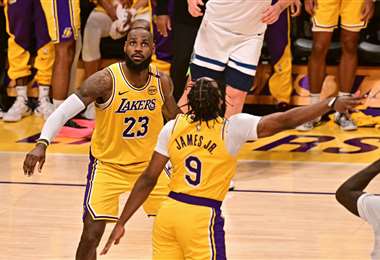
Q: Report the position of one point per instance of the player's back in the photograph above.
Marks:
(128, 124)
(202, 165)
(237, 16)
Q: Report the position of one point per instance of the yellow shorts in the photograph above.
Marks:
(185, 228)
(107, 181)
(63, 19)
(327, 14)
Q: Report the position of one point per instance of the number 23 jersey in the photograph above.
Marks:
(128, 124)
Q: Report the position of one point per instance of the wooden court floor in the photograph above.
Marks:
(283, 206)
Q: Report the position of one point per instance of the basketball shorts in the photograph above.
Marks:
(233, 57)
(63, 19)
(327, 14)
(107, 181)
(28, 33)
(189, 227)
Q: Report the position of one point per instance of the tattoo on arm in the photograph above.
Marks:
(98, 87)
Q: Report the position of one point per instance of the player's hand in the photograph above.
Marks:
(347, 104)
(367, 10)
(295, 8)
(310, 6)
(117, 233)
(163, 24)
(271, 14)
(36, 155)
(194, 8)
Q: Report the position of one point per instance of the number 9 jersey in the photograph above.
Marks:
(128, 124)
(202, 165)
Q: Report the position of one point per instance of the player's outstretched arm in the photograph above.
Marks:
(277, 122)
(350, 191)
(141, 190)
(97, 87)
(170, 108)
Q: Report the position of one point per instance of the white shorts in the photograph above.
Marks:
(216, 48)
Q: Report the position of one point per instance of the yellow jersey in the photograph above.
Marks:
(202, 165)
(128, 124)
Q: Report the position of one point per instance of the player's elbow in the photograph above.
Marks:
(341, 194)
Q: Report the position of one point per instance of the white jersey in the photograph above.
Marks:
(369, 210)
(239, 129)
(237, 16)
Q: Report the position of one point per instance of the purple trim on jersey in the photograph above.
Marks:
(219, 239)
(65, 24)
(189, 199)
(88, 185)
(210, 231)
(28, 24)
(276, 37)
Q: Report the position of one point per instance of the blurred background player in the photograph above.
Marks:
(278, 40)
(325, 14)
(63, 21)
(202, 147)
(99, 24)
(184, 28)
(27, 30)
(129, 99)
(364, 205)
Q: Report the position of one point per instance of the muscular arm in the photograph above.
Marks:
(170, 106)
(277, 122)
(350, 191)
(143, 186)
(97, 87)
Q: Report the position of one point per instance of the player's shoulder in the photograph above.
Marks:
(242, 117)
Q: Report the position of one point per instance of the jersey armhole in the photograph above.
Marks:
(107, 103)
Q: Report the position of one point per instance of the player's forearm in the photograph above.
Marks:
(359, 181)
(67, 110)
(298, 116)
(140, 192)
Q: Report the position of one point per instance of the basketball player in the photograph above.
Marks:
(27, 30)
(63, 22)
(367, 206)
(325, 15)
(203, 147)
(229, 41)
(129, 96)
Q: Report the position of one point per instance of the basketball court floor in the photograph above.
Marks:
(283, 206)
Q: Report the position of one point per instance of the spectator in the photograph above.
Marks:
(26, 24)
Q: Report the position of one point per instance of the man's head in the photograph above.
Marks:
(206, 99)
(139, 46)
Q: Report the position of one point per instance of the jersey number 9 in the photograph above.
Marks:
(194, 170)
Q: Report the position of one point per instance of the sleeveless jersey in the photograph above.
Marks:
(202, 166)
(128, 124)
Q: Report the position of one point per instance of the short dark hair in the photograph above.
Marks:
(206, 100)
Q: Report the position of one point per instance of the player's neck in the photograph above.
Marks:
(136, 78)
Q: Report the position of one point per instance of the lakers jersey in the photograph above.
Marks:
(128, 124)
(202, 165)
